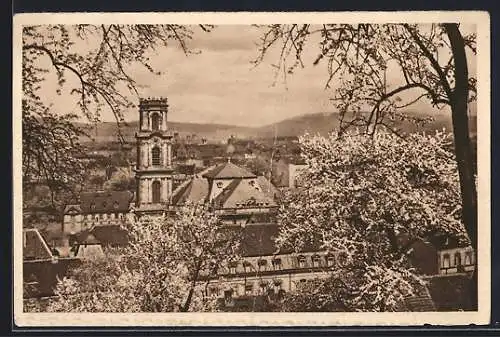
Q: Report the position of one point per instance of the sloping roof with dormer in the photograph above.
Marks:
(243, 193)
(228, 171)
(105, 202)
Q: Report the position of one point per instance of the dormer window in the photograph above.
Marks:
(316, 261)
(276, 263)
(302, 261)
(330, 260)
(219, 184)
(252, 183)
(232, 267)
(262, 264)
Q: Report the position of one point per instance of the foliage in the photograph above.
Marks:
(159, 271)
(358, 57)
(358, 193)
(431, 60)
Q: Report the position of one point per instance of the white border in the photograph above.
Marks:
(481, 19)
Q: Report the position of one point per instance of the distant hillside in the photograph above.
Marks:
(107, 131)
(321, 123)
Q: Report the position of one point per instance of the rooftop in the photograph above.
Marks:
(104, 202)
(228, 171)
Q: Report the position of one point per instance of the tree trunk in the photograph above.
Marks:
(463, 151)
(189, 298)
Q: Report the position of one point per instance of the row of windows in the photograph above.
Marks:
(97, 217)
(116, 205)
(301, 261)
(447, 262)
(250, 288)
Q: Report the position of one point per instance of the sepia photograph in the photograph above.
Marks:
(238, 169)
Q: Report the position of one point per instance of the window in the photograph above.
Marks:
(156, 154)
(263, 285)
(213, 291)
(316, 261)
(219, 184)
(262, 264)
(104, 204)
(232, 267)
(24, 240)
(228, 293)
(92, 206)
(276, 264)
(446, 261)
(247, 265)
(302, 261)
(155, 122)
(156, 192)
(458, 259)
(116, 205)
(330, 260)
(468, 258)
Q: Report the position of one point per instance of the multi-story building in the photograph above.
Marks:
(105, 208)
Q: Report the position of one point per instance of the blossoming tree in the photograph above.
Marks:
(358, 195)
(161, 270)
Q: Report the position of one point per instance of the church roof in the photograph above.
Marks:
(242, 193)
(105, 202)
(195, 190)
(227, 171)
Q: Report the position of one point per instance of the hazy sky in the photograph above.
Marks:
(220, 85)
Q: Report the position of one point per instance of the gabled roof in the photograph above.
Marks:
(105, 202)
(228, 171)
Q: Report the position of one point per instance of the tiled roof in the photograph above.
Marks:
(113, 235)
(259, 240)
(105, 202)
(195, 190)
(228, 170)
(241, 193)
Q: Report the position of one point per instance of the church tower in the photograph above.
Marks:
(153, 171)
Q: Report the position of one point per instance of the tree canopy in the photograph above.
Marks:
(359, 193)
(160, 271)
